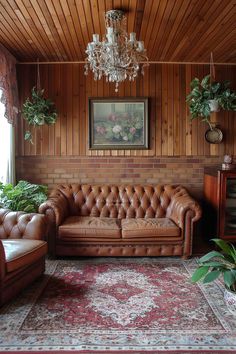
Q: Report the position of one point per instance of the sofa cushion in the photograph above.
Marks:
(20, 253)
(89, 226)
(146, 228)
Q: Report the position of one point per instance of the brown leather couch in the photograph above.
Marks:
(112, 220)
(22, 250)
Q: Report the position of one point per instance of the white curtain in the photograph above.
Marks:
(7, 148)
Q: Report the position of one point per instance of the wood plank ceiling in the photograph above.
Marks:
(172, 30)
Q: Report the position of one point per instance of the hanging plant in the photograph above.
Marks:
(207, 97)
(38, 110)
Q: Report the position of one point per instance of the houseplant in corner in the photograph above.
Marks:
(216, 263)
(24, 196)
(209, 96)
(38, 111)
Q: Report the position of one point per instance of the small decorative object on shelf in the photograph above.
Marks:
(228, 163)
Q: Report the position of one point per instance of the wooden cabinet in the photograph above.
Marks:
(220, 203)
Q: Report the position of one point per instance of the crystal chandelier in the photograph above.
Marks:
(118, 56)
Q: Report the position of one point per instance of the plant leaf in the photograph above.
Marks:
(210, 255)
(229, 278)
(199, 273)
(211, 276)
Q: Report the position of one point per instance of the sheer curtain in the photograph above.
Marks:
(8, 115)
(7, 148)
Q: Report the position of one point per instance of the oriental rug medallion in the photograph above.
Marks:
(144, 304)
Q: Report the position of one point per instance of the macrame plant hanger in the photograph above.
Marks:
(38, 83)
(212, 69)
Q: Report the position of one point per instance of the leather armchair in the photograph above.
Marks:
(22, 251)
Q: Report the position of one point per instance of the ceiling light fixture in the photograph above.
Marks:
(118, 56)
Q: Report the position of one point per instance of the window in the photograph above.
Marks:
(5, 146)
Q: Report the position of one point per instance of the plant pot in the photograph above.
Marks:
(230, 300)
(214, 105)
(214, 135)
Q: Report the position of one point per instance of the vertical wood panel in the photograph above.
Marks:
(166, 86)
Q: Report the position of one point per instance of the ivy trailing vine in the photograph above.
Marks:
(38, 111)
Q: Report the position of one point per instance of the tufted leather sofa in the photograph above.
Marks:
(22, 250)
(112, 220)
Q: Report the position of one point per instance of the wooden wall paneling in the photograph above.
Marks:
(75, 109)
(158, 117)
(151, 93)
(188, 145)
(69, 112)
(58, 103)
(44, 70)
(176, 110)
(164, 122)
(52, 95)
(63, 109)
(170, 102)
(82, 114)
(183, 110)
(171, 131)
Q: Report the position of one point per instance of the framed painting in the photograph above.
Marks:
(118, 123)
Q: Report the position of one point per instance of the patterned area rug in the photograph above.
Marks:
(144, 304)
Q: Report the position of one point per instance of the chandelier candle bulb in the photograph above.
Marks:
(140, 46)
(132, 37)
(95, 38)
(110, 30)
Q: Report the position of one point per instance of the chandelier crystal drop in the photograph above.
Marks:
(117, 56)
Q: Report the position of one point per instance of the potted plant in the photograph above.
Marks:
(22, 197)
(207, 97)
(216, 263)
(38, 111)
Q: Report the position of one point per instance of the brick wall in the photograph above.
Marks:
(187, 171)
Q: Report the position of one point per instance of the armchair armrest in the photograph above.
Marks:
(55, 208)
(18, 224)
(2, 261)
(181, 204)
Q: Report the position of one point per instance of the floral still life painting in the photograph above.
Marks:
(118, 123)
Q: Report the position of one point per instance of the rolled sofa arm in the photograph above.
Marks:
(180, 204)
(18, 224)
(55, 208)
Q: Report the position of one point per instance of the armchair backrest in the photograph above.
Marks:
(17, 224)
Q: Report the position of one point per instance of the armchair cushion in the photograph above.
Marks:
(89, 226)
(146, 228)
(20, 253)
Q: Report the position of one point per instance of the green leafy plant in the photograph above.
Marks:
(38, 111)
(23, 197)
(204, 91)
(216, 263)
